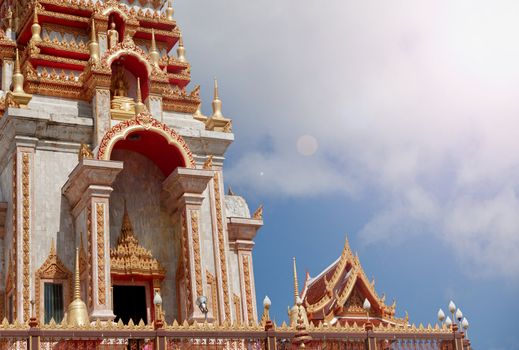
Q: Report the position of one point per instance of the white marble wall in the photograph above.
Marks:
(6, 182)
(53, 219)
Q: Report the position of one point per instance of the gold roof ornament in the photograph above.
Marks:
(170, 11)
(217, 122)
(77, 310)
(295, 312)
(129, 257)
(181, 51)
(154, 53)
(85, 153)
(139, 106)
(18, 97)
(36, 28)
(258, 214)
(217, 103)
(93, 45)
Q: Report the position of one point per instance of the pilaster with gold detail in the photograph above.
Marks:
(184, 188)
(220, 242)
(88, 191)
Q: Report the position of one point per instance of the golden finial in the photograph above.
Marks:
(296, 283)
(181, 51)
(170, 11)
(77, 310)
(139, 106)
(17, 76)
(35, 28)
(154, 53)
(93, 45)
(217, 103)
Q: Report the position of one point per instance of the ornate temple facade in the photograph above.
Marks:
(103, 147)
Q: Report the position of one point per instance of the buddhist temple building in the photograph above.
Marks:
(103, 147)
(115, 229)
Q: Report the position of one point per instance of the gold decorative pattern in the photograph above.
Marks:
(100, 214)
(26, 234)
(14, 264)
(143, 122)
(129, 257)
(221, 245)
(89, 256)
(213, 295)
(248, 287)
(51, 269)
(196, 252)
(237, 308)
(185, 262)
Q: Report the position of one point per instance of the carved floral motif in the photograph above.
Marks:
(221, 245)
(26, 225)
(100, 215)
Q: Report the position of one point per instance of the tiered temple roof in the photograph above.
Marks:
(337, 294)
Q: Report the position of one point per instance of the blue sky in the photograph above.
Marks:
(394, 123)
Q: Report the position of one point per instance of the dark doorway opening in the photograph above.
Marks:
(130, 303)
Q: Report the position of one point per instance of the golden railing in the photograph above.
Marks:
(109, 335)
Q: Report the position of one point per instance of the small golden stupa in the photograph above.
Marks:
(77, 313)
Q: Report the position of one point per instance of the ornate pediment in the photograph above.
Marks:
(130, 258)
(53, 268)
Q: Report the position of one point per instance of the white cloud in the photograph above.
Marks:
(415, 100)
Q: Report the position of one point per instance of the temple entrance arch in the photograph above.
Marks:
(145, 243)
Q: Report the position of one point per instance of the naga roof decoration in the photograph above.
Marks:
(130, 258)
(338, 292)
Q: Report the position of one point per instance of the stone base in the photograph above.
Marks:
(102, 315)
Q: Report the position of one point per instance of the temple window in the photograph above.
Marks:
(53, 302)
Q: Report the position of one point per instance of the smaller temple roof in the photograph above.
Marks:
(337, 294)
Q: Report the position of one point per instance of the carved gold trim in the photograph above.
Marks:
(196, 252)
(148, 123)
(185, 262)
(26, 224)
(213, 287)
(100, 219)
(89, 256)
(221, 246)
(52, 269)
(248, 287)
(237, 308)
(14, 265)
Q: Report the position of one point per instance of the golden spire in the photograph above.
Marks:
(217, 103)
(35, 28)
(77, 309)
(139, 106)
(93, 45)
(296, 284)
(154, 53)
(170, 11)
(17, 76)
(181, 51)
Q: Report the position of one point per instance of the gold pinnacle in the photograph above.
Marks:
(296, 283)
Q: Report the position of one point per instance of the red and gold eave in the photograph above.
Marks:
(337, 295)
(61, 68)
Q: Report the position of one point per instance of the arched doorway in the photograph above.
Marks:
(150, 152)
